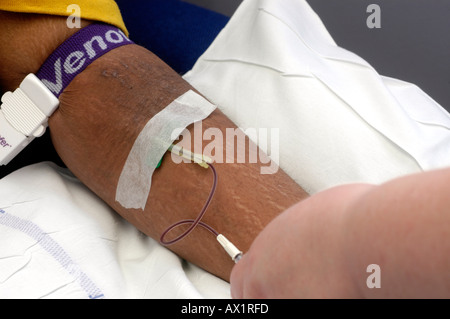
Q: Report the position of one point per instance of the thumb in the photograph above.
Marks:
(237, 279)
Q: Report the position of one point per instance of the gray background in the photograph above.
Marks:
(226, 7)
(413, 43)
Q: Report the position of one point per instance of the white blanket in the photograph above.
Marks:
(273, 66)
(61, 241)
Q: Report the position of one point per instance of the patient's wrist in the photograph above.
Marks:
(26, 42)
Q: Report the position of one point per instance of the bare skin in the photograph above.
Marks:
(321, 247)
(100, 116)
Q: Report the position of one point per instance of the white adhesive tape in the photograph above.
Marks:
(153, 142)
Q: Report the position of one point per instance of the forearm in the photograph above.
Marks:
(94, 131)
(100, 116)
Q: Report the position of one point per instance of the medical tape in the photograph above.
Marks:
(153, 142)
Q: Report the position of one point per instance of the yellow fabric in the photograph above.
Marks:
(105, 11)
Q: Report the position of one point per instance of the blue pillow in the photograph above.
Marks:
(177, 32)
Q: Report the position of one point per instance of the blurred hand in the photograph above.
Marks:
(300, 253)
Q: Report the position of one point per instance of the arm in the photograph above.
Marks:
(101, 114)
(326, 242)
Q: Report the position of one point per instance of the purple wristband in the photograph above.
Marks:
(77, 52)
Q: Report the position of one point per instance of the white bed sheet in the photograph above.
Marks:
(273, 66)
(61, 241)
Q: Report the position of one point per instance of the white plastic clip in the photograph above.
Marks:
(231, 249)
(24, 116)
